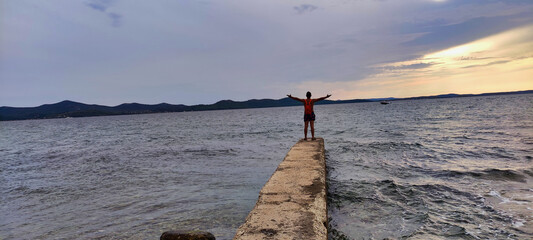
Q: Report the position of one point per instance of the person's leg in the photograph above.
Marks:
(305, 129)
(313, 130)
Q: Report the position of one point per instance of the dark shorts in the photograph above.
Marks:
(309, 117)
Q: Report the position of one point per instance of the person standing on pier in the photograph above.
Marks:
(309, 114)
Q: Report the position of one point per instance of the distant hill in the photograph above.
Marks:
(74, 109)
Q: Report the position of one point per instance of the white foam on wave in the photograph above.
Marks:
(494, 193)
(518, 223)
(505, 200)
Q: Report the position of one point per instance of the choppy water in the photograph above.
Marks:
(448, 168)
(433, 169)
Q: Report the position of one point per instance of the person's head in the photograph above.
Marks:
(308, 94)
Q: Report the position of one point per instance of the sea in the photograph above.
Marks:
(455, 168)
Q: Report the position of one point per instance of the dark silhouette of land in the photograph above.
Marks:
(75, 109)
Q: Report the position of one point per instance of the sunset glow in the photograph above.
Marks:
(501, 62)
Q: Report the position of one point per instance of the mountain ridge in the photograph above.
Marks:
(68, 108)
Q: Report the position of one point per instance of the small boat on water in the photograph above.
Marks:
(384, 102)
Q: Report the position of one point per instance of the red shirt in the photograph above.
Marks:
(308, 104)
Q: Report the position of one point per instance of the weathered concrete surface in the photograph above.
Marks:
(292, 204)
(187, 235)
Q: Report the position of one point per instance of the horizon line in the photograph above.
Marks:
(371, 99)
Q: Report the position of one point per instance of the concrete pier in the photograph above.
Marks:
(292, 204)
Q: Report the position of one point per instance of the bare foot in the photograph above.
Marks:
(313, 139)
(305, 139)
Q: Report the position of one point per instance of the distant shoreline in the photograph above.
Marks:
(68, 108)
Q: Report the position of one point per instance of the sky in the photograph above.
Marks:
(201, 51)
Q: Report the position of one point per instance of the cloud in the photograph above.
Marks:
(475, 67)
(115, 19)
(99, 5)
(410, 66)
(103, 6)
(488, 64)
(466, 31)
(305, 8)
(193, 52)
(470, 58)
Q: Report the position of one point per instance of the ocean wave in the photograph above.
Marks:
(487, 174)
(529, 172)
(369, 202)
(376, 145)
(419, 211)
(527, 140)
(210, 152)
(395, 145)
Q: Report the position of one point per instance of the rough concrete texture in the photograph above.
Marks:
(292, 204)
(187, 235)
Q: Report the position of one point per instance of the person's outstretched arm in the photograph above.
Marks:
(322, 98)
(295, 98)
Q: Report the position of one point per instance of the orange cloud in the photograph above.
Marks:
(502, 62)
